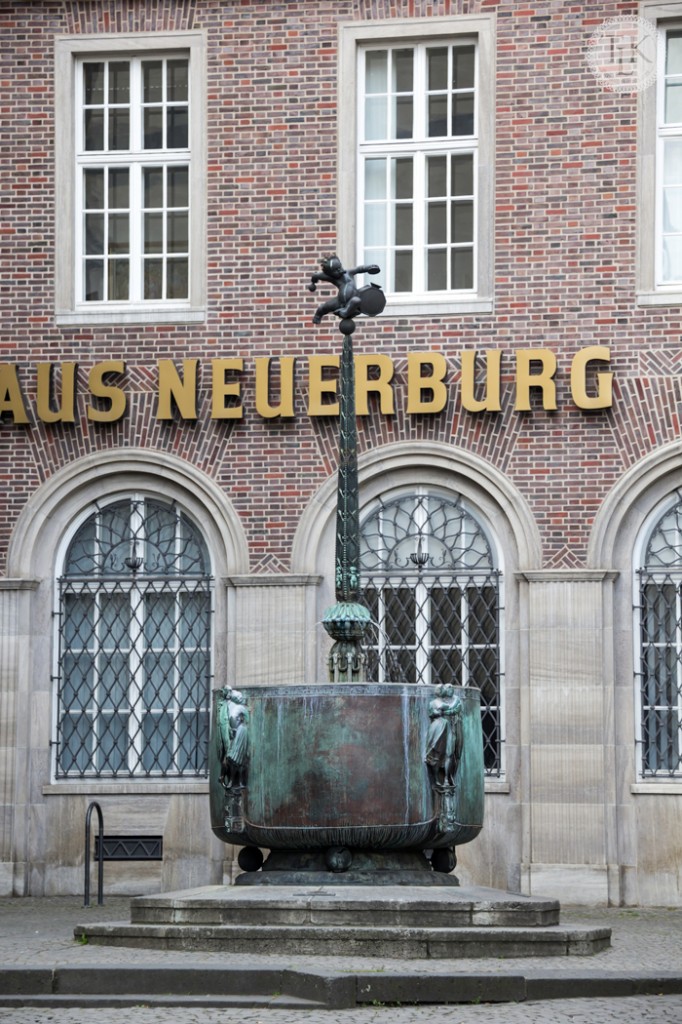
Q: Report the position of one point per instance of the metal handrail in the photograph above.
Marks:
(100, 856)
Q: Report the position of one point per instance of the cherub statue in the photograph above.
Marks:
(350, 300)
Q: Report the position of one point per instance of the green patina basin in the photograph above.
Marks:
(371, 766)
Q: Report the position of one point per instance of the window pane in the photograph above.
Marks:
(178, 186)
(462, 115)
(462, 268)
(78, 680)
(178, 279)
(153, 232)
(178, 80)
(153, 279)
(376, 122)
(93, 82)
(119, 188)
(673, 62)
(177, 134)
(403, 117)
(463, 66)
(119, 238)
(437, 271)
(80, 560)
(438, 116)
(153, 188)
(672, 162)
(673, 102)
(462, 222)
(672, 258)
(403, 63)
(119, 129)
(77, 744)
(94, 281)
(375, 179)
(403, 225)
(94, 130)
(152, 78)
(437, 223)
(672, 209)
(375, 223)
(402, 171)
(114, 680)
(94, 189)
(119, 278)
(94, 234)
(437, 176)
(119, 82)
(153, 128)
(463, 175)
(403, 271)
(376, 71)
(437, 59)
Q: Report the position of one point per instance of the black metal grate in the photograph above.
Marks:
(433, 592)
(660, 597)
(130, 847)
(134, 663)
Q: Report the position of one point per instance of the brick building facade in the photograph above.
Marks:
(173, 172)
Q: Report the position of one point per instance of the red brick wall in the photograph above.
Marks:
(564, 262)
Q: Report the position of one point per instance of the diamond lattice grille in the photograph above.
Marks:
(433, 592)
(661, 672)
(134, 645)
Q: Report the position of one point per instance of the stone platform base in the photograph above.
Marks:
(402, 922)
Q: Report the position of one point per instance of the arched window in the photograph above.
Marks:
(659, 609)
(430, 581)
(134, 644)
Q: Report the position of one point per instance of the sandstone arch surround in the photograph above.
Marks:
(429, 463)
(495, 858)
(646, 834)
(40, 822)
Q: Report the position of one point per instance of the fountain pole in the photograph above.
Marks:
(347, 620)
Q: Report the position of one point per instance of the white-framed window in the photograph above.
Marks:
(658, 633)
(416, 160)
(669, 161)
(659, 143)
(133, 644)
(130, 167)
(431, 580)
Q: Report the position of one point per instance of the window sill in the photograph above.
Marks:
(659, 298)
(130, 316)
(662, 787)
(127, 788)
(497, 786)
(446, 307)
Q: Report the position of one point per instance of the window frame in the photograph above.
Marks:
(650, 134)
(70, 53)
(354, 39)
(663, 776)
(99, 587)
(387, 581)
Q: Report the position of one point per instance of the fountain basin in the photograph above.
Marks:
(344, 765)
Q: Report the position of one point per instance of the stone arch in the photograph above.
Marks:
(54, 506)
(431, 464)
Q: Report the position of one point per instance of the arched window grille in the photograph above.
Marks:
(134, 645)
(660, 633)
(430, 582)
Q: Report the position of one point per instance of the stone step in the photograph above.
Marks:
(320, 940)
(381, 906)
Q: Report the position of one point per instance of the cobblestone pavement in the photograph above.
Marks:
(39, 932)
(635, 1009)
